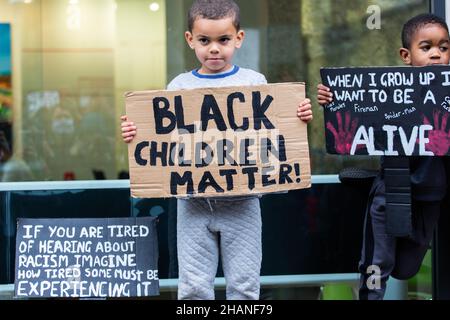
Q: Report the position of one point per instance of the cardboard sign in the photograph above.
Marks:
(388, 111)
(81, 258)
(218, 141)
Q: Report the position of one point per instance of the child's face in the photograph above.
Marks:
(214, 42)
(429, 46)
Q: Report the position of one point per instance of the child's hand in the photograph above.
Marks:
(324, 95)
(128, 129)
(304, 111)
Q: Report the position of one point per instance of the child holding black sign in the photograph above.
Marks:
(232, 225)
(425, 40)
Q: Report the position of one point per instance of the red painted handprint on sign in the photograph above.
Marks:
(439, 138)
(343, 137)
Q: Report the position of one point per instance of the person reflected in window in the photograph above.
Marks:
(12, 167)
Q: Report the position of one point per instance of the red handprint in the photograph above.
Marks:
(439, 138)
(343, 138)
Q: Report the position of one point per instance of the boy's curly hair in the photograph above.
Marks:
(417, 22)
(214, 10)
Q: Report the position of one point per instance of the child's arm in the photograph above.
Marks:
(324, 95)
(128, 129)
(304, 111)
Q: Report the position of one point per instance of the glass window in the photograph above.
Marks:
(71, 61)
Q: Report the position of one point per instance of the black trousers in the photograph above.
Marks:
(384, 255)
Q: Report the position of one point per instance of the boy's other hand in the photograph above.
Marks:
(324, 95)
(128, 129)
(304, 111)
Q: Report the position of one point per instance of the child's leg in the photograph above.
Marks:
(378, 252)
(239, 223)
(198, 252)
(410, 252)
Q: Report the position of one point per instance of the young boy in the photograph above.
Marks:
(425, 40)
(231, 226)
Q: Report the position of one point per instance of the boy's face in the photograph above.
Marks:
(429, 46)
(214, 42)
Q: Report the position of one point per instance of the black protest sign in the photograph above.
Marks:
(83, 258)
(388, 111)
(218, 141)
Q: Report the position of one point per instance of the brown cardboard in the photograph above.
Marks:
(154, 181)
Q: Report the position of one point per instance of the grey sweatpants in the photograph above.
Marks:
(207, 228)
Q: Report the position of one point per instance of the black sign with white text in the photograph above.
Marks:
(388, 111)
(81, 258)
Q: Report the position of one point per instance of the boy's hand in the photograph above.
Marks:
(128, 129)
(304, 111)
(324, 95)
